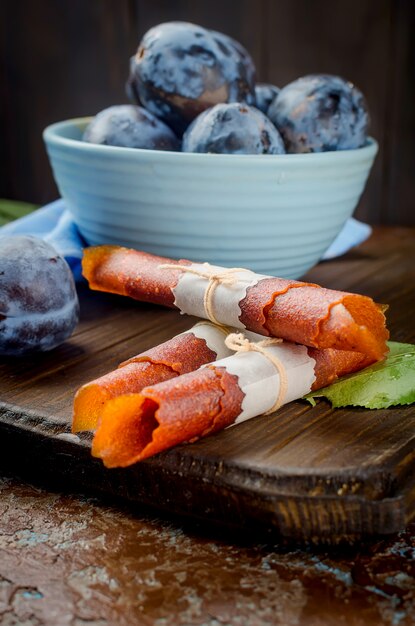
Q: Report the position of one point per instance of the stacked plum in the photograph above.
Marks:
(195, 89)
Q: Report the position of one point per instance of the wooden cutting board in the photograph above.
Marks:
(313, 474)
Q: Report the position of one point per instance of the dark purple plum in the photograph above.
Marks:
(182, 69)
(130, 126)
(246, 65)
(319, 113)
(233, 129)
(265, 94)
(39, 306)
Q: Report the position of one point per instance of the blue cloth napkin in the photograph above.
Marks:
(54, 224)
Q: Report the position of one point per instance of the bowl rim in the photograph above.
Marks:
(51, 135)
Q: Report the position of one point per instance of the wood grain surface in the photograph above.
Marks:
(308, 474)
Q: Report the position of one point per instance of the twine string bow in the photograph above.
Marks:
(227, 277)
(239, 343)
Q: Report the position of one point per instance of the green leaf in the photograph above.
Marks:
(11, 210)
(388, 383)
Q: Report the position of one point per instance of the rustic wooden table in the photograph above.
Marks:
(73, 559)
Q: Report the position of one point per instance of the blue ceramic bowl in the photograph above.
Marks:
(275, 214)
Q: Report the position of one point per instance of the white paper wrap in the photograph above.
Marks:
(259, 379)
(190, 290)
(214, 337)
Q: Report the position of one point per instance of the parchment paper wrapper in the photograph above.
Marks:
(259, 380)
(190, 289)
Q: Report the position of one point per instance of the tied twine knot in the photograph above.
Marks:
(239, 343)
(227, 277)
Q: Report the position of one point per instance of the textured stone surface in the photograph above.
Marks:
(68, 560)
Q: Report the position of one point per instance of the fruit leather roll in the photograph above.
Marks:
(202, 344)
(296, 311)
(253, 381)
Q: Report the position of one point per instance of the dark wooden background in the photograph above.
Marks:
(69, 58)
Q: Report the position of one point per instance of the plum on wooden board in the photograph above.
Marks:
(130, 126)
(319, 113)
(181, 69)
(232, 129)
(39, 306)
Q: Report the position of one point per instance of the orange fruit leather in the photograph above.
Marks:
(300, 312)
(176, 356)
(136, 426)
(317, 317)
